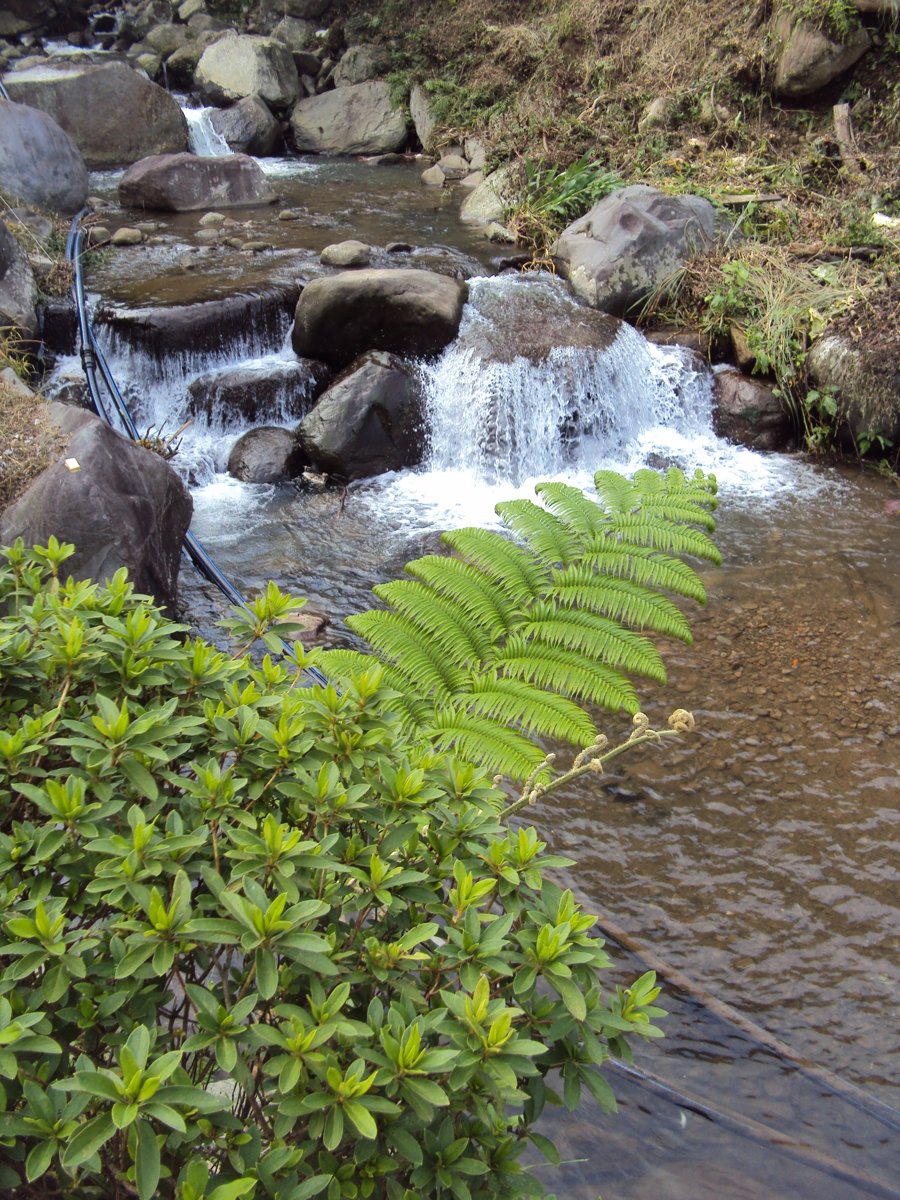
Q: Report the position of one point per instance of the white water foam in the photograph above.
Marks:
(203, 139)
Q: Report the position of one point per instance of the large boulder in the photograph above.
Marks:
(248, 127)
(404, 312)
(862, 374)
(361, 63)
(18, 290)
(264, 455)
(358, 119)
(39, 162)
(299, 36)
(265, 391)
(241, 65)
(368, 422)
(113, 114)
(491, 199)
(423, 118)
(808, 59)
(628, 244)
(185, 182)
(28, 16)
(747, 411)
(122, 506)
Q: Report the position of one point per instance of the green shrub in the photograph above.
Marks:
(256, 941)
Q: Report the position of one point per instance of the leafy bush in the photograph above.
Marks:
(256, 941)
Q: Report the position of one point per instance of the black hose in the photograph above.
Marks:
(93, 359)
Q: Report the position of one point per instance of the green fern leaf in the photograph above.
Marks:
(467, 586)
(509, 566)
(572, 506)
(663, 535)
(680, 509)
(422, 663)
(596, 638)
(621, 600)
(644, 565)
(566, 672)
(616, 493)
(548, 537)
(483, 741)
(450, 626)
(516, 701)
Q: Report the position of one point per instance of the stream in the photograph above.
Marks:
(759, 855)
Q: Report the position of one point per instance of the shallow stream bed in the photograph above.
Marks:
(759, 855)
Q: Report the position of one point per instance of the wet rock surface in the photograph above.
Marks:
(369, 421)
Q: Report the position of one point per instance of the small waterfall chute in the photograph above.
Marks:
(507, 404)
(203, 138)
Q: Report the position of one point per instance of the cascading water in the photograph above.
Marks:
(509, 413)
(203, 139)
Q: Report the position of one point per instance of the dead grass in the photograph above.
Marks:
(28, 441)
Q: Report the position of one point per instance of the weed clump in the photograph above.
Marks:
(29, 442)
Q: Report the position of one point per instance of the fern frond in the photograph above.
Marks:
(597, 638)
(621, 600)
(511, 567)
(485, 742)
(680, 509)
(663, 535)
(422, 664)
(616, 493)
(699, 489)
(463, 583)
(341, 664)
(567, 672)
(549, 538)
(453, 629)
(518, 702)
(571, 505)
(642, 564)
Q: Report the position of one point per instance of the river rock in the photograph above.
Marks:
(39, 162)
(346, 254)
(264, 455)
(423, 118)
(185, 182)
(629, 243)
(239, 65)
(361, 63)
(808, 59)
(299, 36)
(358, 119)
(863, 375)
(491, 199)
(248, 127)
(453, 166)
(369, 421)
(166, 38)
(433, 176)
(402, 311)
(268, 391)
(18, 290)
(27, 16)
(748, 412)
(113, 114)
(123, 507)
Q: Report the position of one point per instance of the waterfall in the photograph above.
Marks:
(202, 137)
(507, 404)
